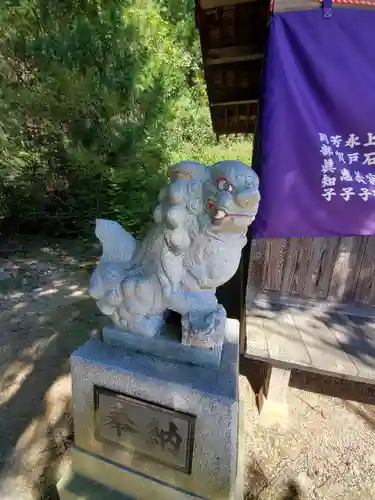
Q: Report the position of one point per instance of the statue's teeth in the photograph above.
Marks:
(220, 214)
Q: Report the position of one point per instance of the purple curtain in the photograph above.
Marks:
(316, 136)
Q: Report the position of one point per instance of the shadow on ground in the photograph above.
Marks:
(45, 314)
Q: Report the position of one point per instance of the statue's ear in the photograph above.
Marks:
(187, 170)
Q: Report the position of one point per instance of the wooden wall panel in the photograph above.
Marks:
(276, 253)
(313, 267)
(291, 262)
(347, 268)
(365, 290)
(325, 262)
(337, 269)
(257, 266)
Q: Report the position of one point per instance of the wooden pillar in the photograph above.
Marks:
(272, 398)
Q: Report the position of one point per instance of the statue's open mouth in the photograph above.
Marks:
(220, 214)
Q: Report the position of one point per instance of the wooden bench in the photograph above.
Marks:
(312, 330)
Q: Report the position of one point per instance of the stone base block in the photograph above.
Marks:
(167, 345)
(76, 487)
(112, 482)
(172, 424)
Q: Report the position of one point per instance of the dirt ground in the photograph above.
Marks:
(327, 450)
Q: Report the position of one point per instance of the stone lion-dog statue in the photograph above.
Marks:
(194, 246)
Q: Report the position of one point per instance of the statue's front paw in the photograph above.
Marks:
(199, 329)
(151, 325)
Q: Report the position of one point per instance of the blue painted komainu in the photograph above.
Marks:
(193, 247)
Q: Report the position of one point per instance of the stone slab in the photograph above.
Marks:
(211, 396)
(167, 346)
(77, 487)
(112, 481)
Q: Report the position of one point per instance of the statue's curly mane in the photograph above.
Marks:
(178, 213)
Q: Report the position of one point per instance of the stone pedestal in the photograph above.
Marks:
(149, 427)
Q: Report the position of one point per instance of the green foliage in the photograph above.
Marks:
(96, 98)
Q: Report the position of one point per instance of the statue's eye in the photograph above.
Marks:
(223, 185)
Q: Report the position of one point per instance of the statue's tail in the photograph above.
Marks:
(118, 244)
(118, 249)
